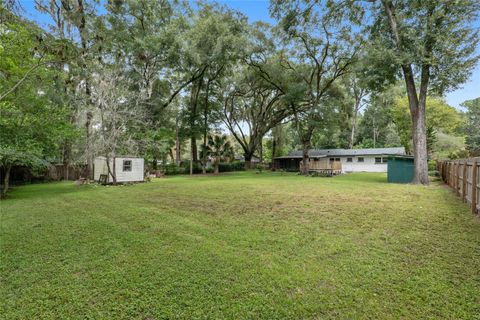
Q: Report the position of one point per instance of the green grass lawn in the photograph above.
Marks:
(236, 246)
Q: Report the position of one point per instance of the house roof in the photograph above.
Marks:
(118, 157)
(320, 153)
(242, 158)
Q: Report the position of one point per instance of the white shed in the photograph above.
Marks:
(128, 169)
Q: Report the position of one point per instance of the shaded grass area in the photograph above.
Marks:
(242, 245)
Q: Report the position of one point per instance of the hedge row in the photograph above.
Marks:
(184, 168)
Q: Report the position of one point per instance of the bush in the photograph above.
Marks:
(432, 165)
(232, 166)
(172, 169)
(184, 168)
(459, 154)
(320, 174)
(197, 167)
(260, 167)
(433, 173)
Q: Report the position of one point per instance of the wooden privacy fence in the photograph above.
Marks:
(464, 177)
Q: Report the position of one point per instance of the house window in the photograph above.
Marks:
(360, 159)
(337, 159)
(378, 160)
(384, 160)
(332, 159)
(127, 165)
(349, 159)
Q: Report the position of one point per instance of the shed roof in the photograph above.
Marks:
(320, 153)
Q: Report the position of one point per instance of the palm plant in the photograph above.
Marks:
(220, 149)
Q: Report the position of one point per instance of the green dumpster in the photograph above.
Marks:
(400, 169)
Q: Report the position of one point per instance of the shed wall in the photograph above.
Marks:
(137, 173)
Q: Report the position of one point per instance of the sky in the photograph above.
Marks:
(257, 10)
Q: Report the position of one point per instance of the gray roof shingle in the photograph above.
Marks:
(346, 152)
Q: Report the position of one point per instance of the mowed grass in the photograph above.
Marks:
(246, 245)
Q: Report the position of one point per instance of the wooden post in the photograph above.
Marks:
(452, 172)
(458, 178)
(455, 176)
(448, 173)
(452, 183)
(474, 186)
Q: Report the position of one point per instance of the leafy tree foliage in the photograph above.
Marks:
(440, 118)
(472, 127)
(433, 44)
(32, 119)
(219, 149)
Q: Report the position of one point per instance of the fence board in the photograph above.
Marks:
(464, 178)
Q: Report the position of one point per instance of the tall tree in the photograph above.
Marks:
(73, 25)
(214, 43)
(472, 127)
(252, 107)
(118, 113)
(32, 119)
(433, 43)
(319, 48)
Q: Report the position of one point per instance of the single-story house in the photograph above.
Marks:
(127, 169)
(350, 160)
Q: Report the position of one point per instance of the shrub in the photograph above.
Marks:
(172, 169)
(260, 167)
(320, 174)
(432, 165)
(232, 166)
(433, 173)
(197, 167)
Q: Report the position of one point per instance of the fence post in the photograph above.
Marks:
(474, 186)
(457, 181)
(460, 181)
(447, 172)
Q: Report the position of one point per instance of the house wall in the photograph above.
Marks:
(368, 164)
(137, 173)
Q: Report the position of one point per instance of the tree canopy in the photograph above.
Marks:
(158, 78)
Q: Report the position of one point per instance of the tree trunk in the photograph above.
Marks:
(177, 144)
(114, 175)
(205, 128)
(216, 169)
(417, 105)
(6, 180)
(193, 116)
(274, 147)
(305, 159)
(109, 169)
(67, 150)
(420, 151)
(352, 133)
(191, 161)
(88, 151)
(419, 129)
(194, 149)
(248, 160)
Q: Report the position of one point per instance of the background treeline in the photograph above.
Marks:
(160, 79)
